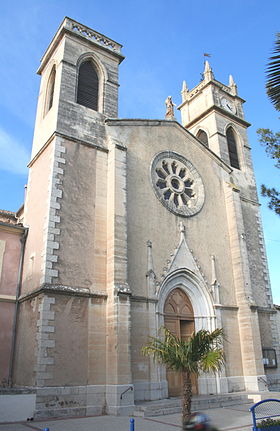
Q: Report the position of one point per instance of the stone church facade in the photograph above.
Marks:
(132, 225)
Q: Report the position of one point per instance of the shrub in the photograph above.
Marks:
(268, 423)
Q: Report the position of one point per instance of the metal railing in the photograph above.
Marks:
(266, 409)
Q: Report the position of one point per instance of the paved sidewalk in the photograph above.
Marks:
(233, 418)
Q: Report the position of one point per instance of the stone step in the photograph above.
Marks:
(174, 405)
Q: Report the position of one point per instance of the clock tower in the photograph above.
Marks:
(213, 112)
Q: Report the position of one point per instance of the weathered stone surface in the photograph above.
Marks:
(104, 254)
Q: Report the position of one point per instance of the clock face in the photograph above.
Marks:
(228, 105)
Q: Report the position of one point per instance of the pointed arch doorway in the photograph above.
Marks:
(179, 319)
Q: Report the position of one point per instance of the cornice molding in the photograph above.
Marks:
(15, 229)
(63, 290)
(220, 111)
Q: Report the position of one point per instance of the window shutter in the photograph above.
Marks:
(232, 149)
(88, 86)
(202, 137)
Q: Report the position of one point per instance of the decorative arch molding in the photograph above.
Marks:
(101, 74)
(101, 71)
(236, 131)
(52, 63)
(233, 126)
(202, 130)
(204, 317)
(199, 127)
(195, 289)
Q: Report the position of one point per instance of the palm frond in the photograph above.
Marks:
(273, 75)
(212, 361)
(202, 352)
(167, 350)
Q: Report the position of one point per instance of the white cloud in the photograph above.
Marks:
(13, 155)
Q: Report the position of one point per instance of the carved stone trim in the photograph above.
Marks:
(135, 298)
(63, 290)
(217, 108)
(122, 289)
(266, 310)
(253, 202)
(68, 138)
(226, 307)
(8, 298)
(177, 184)
(93, 35)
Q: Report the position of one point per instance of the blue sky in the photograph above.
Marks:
(163, 43)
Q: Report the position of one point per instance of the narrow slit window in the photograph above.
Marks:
(232, 148)
(50, 91)
(202, 137)
(87, 94)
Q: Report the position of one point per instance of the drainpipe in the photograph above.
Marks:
(18, 292)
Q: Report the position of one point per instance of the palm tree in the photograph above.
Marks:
(268, 138)
(203, 352)
(273, 75)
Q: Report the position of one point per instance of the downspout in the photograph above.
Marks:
(18, 292)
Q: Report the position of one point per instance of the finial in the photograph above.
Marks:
(208, 72)
(169, 115)
(184, 91)
(185, 87)
(207, 67)
(232, 86)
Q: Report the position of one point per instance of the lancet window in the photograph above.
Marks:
(50, 91)
(232, 148)
(87, 94)
(202, 137)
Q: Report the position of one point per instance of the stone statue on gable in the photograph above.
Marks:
(169, 109)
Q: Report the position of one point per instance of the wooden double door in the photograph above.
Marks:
(179, 319)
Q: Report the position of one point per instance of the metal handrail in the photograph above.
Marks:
(261, 379)
(130, 388)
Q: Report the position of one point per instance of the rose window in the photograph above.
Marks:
(177, 183)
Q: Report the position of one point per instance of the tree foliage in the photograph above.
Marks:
(274, 198)
(271, 142)
(267, 137)
(273, 75)
(203, 352)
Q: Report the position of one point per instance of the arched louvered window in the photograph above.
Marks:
(232, 148)
(50, 91)
(88, 86)
(202, 136)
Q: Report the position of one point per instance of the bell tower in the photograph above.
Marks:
(71, 282)
(79, 70)
(213, 112)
